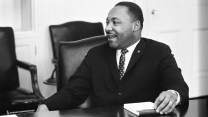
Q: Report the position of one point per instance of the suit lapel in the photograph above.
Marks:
(111, 57)
(137, 54)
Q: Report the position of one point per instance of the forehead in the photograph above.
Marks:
(118, 12)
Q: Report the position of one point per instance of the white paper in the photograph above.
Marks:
(141, 106)
(8, 116)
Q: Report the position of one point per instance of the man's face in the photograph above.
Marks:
(119, 27)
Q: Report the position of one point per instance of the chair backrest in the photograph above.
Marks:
(72, 31)
(8, 71)
(71, 54)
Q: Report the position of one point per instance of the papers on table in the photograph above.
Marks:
(140, 108)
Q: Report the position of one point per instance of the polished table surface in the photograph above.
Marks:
(196, 108)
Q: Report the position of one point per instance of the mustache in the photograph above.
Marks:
(109, 33)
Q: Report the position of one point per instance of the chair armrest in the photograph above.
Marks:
(55, 61)
(33, 72)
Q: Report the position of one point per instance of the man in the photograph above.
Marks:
(112, 75)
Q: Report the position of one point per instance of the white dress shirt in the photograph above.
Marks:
(127, 55)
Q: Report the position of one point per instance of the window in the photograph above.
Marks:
(16, 14)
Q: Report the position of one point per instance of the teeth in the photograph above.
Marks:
(111, 35)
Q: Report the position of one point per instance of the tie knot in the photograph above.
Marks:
(124, 51)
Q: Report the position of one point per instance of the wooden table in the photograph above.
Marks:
(196, 108)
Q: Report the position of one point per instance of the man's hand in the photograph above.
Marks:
(42, 108)
(165, 102)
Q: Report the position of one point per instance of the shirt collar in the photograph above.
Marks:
(132, 47)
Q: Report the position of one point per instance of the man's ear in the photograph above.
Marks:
(136, 26)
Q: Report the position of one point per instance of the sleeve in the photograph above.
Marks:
(171, 76)
(75, 92)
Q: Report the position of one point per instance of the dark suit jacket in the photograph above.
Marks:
(151, 70)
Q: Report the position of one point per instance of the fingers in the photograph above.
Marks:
(169, 108)
(165, 103)
(159, 100)
(42, 108)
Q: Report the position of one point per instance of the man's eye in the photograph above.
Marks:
(116, 22)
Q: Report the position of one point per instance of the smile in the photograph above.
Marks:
(111, 35)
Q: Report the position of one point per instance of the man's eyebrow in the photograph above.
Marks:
(113, 18)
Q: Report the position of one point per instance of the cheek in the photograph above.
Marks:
(125, 34)
(125, 30)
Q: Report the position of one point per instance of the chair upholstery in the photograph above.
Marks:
(13, 98)
(71, 54)
(71, 31)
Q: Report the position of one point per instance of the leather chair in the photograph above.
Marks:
(71, 54)
(13, 98)
(72, 31)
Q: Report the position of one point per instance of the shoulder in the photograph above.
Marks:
(99, 50)
(101, 47)
(155, 48)
(155, 45)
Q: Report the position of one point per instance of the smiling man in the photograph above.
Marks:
(123, 28)
(128, 69)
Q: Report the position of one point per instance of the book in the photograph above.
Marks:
(140, 108)
(8, 116)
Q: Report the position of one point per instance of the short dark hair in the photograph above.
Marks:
(134, 11)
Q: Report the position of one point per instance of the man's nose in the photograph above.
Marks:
(108, 28)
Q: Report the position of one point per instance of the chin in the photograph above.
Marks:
(113, 45)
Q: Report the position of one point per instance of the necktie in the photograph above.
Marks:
(121, 63)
